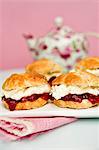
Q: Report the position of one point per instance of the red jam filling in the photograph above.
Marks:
(12, 103)
(78, 98)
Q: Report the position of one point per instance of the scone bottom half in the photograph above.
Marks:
(70, 84)
(25, 91)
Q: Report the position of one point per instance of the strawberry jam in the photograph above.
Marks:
(78, 98)
(12, 103)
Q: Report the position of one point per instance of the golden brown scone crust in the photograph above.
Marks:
(74, 105)
(24, 80)
(46, 67)
(79, 78)
(90, 63)
(28, 104)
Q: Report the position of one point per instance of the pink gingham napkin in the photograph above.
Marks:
(28, 128)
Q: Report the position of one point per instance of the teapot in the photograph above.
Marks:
(61, 44)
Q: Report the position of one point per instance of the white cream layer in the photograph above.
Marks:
(96, 72)
(62, 90)
(18, 94)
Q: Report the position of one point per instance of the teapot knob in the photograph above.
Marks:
(58, 21)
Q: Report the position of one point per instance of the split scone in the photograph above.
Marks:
(25, 91)
(90, 64)
(46, 67)
(76, 90)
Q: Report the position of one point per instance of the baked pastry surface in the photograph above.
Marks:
(74, 105)
(46, 67)
(78, 78)
(90, 63)
(24, 80)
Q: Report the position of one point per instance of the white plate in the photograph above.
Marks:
(47, 110)
(51, 110)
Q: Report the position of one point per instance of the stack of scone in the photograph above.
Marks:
(44, 80)
(25, 91)
(31, 89)
(76, 90)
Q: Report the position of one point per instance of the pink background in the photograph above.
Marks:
(36, 16)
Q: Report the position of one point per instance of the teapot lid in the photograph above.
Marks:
(59, 28)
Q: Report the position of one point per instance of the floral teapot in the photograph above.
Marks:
(61, 44)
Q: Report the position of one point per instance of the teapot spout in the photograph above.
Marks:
(28, 36)
(31, 41)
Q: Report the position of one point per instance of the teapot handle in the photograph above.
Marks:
(94, 34)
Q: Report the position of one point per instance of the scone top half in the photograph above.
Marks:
(46, 67)
(25, 87)
(89, 64)
(76, 87)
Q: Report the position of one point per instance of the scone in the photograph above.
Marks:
(90, 64)
(46, 67)
(76, 90)
(25, 91)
